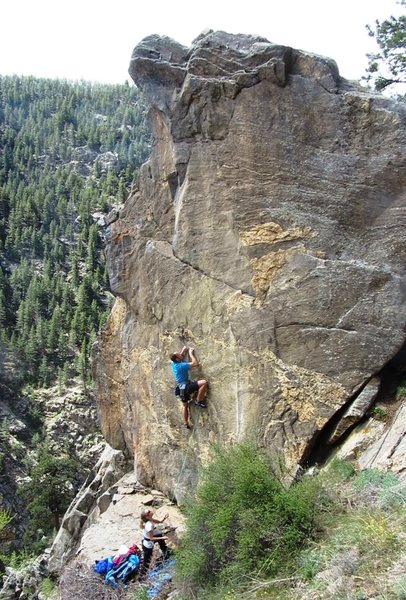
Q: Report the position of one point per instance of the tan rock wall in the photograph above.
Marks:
(268, 232)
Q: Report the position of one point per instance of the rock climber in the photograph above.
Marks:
(184, 387)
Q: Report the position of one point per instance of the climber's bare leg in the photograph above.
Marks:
(203, 384)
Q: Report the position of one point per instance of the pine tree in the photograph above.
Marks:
(54, 331)
(92, 253)
(54, 296)
(32, 351)
(388, 66)
(83, 362)
(3, 312)
(44, 374)
(49, 490)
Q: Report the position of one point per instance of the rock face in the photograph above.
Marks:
(71, 420)
(378, 445)
(268, 231)
(105, 515)
(92, 500)
(357, 409)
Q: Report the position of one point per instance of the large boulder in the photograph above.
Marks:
(268, 230)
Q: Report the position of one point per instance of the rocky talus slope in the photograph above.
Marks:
(67, 418)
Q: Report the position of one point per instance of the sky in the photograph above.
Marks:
(93, 39)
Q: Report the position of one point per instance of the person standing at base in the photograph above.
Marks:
(184, 387)
(150, 536)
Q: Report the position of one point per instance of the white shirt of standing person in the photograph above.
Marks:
(148, 527)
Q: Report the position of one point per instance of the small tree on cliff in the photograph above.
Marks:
(388, 66)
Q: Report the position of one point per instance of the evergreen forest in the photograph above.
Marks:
(69, 152)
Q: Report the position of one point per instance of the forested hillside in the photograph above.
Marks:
(68, 151)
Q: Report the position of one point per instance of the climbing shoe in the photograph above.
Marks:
(201, 404)
(188, 426)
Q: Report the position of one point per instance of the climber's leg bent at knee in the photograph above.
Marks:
(203, 385)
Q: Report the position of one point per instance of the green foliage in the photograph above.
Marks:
(401, 391)
(47, 587)
(357, 539)
(364, 538)
(379, 413)
(372, 526)
(311, 562)
(5, 519)
(18, 560)
(34, 410)
(353, 533)
(49, 492)
(388, 66)
(373, 478)
(243, 519)
(340, 470)
(381, 487)
(5, 435)
(68, 151)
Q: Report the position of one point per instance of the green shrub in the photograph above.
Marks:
(48, 493)
(47, 587)
(401, 391)
(17, 560)
(373, 478)
(379, 413)
(382, 488)
(5, 519)
(311, 562)
(340, 469)
(358, 538)
(243, 519)
(376, 528)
